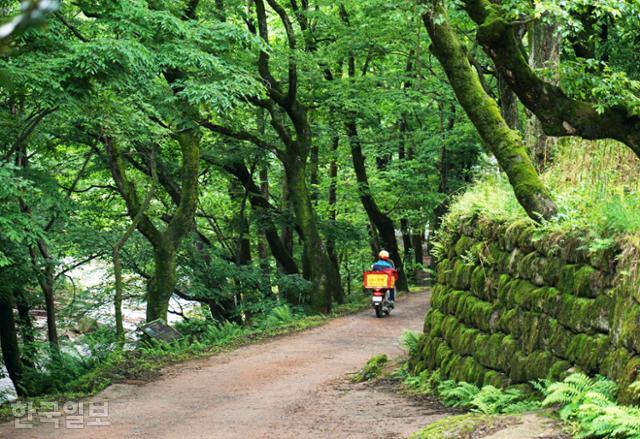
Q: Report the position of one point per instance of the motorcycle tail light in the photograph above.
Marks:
(378, 293)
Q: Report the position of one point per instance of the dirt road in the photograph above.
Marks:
(290, 387)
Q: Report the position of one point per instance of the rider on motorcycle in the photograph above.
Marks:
(383, 264)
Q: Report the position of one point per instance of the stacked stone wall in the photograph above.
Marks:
(509, 307)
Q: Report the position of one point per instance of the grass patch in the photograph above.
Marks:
(372, 369)
(594, 184)
(460, 426)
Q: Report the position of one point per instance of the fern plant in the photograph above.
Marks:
(579, 389)
(223, 331)
(589, 404)
(280, 315)
(410, 340)
(426, 383)
(456, 394)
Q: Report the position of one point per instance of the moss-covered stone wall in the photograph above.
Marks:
(509, 307)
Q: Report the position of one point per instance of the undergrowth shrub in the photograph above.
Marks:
(587, 404)
(280, 315)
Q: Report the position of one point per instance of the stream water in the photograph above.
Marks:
(90, 276)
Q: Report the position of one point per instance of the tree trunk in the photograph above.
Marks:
(47, 286)
(117, 297)
(314, 160)
(418, 240)
(263, 253)
(406, 238)
(544, 53)
(241, 225)
(322, 272)
(27, 330)
(163, 283)
(9, 340)
(382, 223)
(333, 198)
(505, 144)
(258, 198)
(165, 243)
(287, 234)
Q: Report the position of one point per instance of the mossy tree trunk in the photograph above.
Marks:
(43, 265)
(281, 104)
(117, 261)
(505, 144)
(322, 271)
(338, 295)
(559, 114)
(164, 242)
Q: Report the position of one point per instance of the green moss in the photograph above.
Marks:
(531, 331)
(492, 253)
(525, 265)
(515, 257)
(495, 351)
(557, 338)
(503, 286)
(521, 293)
(438, 295)
(463, 340)
(603, 258)
(549, 268)
(614, 363)
(478, 279)
(584, 284)
(526, 368)
(474, 312)
(631, 376)
(459, 426)
(579, 314)
(565, 281)
(463, 245)
(449, 325)
(496, 379)
(507, 319)
(559, 370)
(433, 323)
(525, 238)
(588, 351)
(627, 326)
(450, 301)
(442, 271)
(461, 275)
(372, 369)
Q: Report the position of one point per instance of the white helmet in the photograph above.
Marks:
(383, 254)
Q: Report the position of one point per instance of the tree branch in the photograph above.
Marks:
(559, 114)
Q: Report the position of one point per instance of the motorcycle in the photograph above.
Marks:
(380, 283)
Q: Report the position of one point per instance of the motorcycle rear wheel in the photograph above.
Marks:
(379, 312)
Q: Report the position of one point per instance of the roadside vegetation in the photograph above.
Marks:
(78, 376)
(595, 186)
(586, 405)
